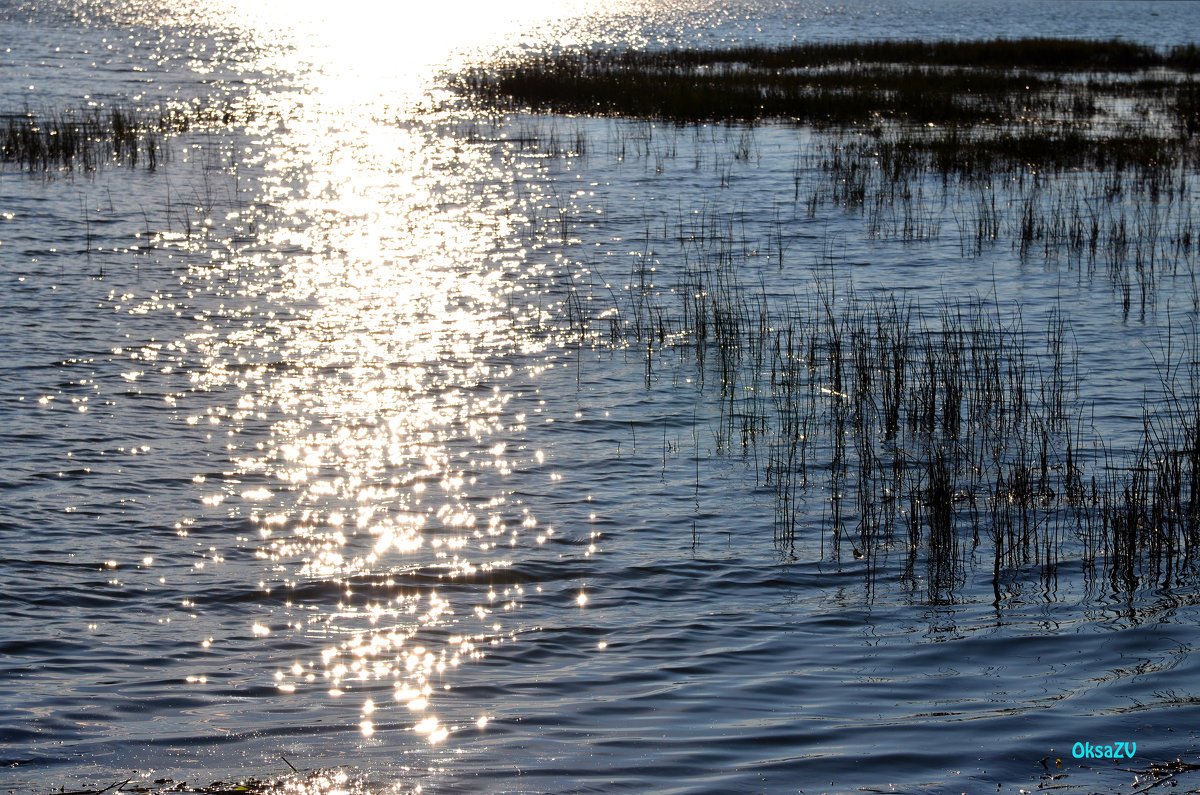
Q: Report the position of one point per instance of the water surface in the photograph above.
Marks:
(302, 459)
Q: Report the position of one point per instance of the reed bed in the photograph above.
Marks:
(1048, 54)
(1064, 84)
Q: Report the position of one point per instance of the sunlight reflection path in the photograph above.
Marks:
(384, 374)
(387, 372)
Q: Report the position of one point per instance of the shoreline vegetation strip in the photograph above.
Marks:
(1057, 93)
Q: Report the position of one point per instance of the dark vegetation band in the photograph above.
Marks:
(1060, 83)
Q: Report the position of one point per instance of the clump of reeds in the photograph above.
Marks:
(88, 139)
(64, 140)
(1151, 513)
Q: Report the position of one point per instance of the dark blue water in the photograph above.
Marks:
(302, 459)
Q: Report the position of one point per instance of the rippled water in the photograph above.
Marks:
(301, 461)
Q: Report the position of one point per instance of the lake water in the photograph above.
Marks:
(303, 460)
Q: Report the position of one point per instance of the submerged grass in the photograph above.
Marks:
(928, 438)
(929, 441)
